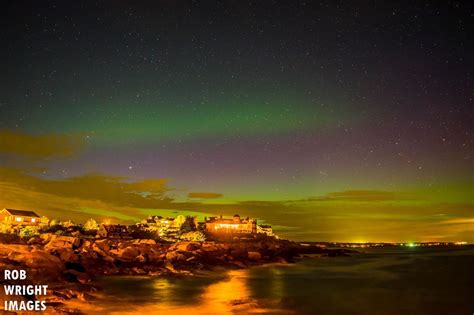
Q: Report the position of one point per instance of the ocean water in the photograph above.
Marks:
(374, 281)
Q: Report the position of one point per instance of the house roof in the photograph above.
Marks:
(24, 213)
(227, 220)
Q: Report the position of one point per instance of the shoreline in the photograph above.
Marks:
(219, 276)
(70, 264)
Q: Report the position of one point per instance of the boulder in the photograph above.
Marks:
(56, 244)
(255, 256)
(77, 276)
(175, 256)
(62, 242)
(35, 240)
(98, 250)
(239, 253)
(138, 271)
(47, 237)
(209, 247)
(145, 241)
(239, 264)
(155, 257)
(126, 254)
(41, 264)
(171, 256)
(86, 244)
(102, 244)
(75, 241)
(66, 254)
(187, 246)
(36, 259)
(141, 258)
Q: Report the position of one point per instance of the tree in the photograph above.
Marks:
(178, 221)
(54, 222)
(141, 233)
(68, 224)
(5, 228)
(91, 225)
(189, 225)
(44, 220)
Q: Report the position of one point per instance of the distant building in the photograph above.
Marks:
(265, 229)
(234, 225)
(165, 225)
(158, 221)
(19, 217)
(113, 231)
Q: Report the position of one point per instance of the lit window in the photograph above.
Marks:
(226, 226)
(18, 219)
(33, 220)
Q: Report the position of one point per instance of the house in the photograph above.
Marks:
(265, 229)
(234, 225)
(164, 225)
(113, 231)
(19, 217)
(158, 221)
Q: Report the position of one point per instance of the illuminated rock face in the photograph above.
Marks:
(235, 225)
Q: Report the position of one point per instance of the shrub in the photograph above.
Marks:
(196, 236)
(91, 225)
(54, 222)
(5, 228)
(60, 232)
(154, 230)
(28, 232)
(52, 228)
(141, 233)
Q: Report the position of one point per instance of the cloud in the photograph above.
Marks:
(39, 146)
(113, 190)
(364, 196)
(120, 199)
(204, 195)
(469, 221)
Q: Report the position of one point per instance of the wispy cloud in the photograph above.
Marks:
(39, 146)
(113, 190)
(121, 199)
(204, 195)
(364, 196)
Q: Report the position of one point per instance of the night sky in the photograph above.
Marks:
(331, 121)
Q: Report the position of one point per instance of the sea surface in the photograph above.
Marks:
(375, 281)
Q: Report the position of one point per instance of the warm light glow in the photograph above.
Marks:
(33, 220)
(411, 244)
(18, 219)
(226, 226)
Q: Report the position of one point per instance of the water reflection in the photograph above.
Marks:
(408, 282)
(227, 294)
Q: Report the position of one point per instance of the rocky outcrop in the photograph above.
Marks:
(71, 262)
(108, 256)
(38, 262)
